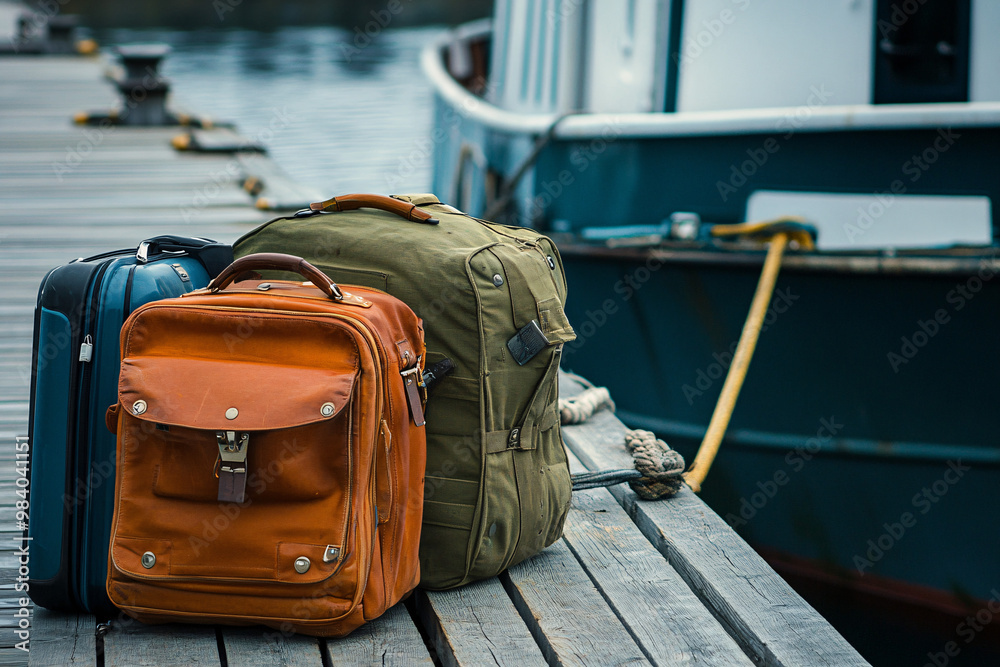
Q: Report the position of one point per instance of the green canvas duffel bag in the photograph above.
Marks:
(497, 484)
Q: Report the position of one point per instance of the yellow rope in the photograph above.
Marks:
(797, 229)
(741, 362)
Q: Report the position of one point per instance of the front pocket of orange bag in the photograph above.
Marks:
(280, 465)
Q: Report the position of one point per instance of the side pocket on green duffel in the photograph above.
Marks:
(500, 526)
(544, 473)
(449, 510)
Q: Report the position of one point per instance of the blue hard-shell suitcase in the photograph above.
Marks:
(74, 378)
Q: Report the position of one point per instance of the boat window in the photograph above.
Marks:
(921, 51)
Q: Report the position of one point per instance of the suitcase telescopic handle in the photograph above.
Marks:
(212, 255)
(403, 209)
(276, 261)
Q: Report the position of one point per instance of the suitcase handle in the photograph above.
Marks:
(279, 262)
(210, 254)
(403, 209)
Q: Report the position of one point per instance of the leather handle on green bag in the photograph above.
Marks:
(403, 209)
(280, 262)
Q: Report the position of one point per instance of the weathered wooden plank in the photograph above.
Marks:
(133, 644)
(59, 639)
(466, 623)
(391, 639)
(660, 611)
(254, 647)
(570, 620)
(760, 611)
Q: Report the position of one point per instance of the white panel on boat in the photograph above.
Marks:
(627, 55)
(536, 55)
(984, 52)
(880, 220)
(739, 54)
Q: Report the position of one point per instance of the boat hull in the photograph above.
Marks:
(864, 439)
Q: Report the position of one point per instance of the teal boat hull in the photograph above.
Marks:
(865, 436)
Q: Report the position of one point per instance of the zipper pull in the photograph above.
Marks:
(87, 348)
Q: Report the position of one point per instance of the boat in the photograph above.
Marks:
(863, 450)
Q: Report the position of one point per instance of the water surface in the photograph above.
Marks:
(335, 116)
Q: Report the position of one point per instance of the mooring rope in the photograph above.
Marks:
(780, 232)
(578, 409)
(661, 467)
(658, 468)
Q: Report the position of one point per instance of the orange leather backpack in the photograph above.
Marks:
(271, 454)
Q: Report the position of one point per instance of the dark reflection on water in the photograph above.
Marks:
(334, 116)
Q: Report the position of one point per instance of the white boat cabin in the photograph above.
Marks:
(673, 68)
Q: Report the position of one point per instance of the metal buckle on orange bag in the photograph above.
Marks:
(233, 469)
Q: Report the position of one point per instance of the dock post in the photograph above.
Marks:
(143, 90)
(62, 28)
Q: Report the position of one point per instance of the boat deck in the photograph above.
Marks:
(631, 581)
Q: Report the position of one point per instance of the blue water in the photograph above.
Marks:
(334, 116)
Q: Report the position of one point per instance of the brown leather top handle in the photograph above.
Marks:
(403, 209)
(279, 262)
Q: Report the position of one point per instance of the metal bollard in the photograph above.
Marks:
(61, 33)
(143, 90)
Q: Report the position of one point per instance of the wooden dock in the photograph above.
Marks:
(631, 582)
